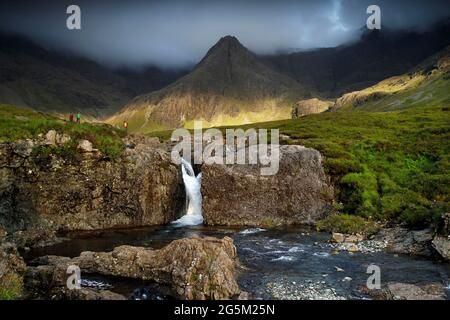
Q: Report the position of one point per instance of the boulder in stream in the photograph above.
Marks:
(195, 268)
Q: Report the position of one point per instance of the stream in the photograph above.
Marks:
(288, 263)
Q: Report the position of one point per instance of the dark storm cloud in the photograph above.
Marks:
(175, 32)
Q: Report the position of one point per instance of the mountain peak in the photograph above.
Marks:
(227, 44)
(229, 40)
(227, 77)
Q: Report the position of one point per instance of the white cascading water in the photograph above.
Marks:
(192, 185)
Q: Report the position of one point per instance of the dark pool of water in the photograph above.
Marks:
(294, 256)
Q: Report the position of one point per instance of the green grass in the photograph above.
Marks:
(348, 224)
(11, 287)
(386, 166)
(17, 123)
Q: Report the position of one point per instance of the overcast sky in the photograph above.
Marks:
(175, 33)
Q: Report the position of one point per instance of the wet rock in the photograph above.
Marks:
(147, 294)
(442, 245)
(195, 268)
(298, 194)
(403, 241)
(85, 146)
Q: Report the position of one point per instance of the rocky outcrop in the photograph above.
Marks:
(195, 268)
(239, 195)
(442, 245)
(357, 98)
(311, 106)
(403, 241)
(52, 192)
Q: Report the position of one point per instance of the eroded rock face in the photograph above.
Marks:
(141, 188)
(239, 195)
(196, 268)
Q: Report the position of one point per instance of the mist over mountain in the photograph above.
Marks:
(61, 82)
(232, 86)
(377, 55)
(177, 33)
(229, 85)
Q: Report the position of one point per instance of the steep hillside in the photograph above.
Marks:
(229, 86)
(426, 86)
(50, 81)
(32, 76)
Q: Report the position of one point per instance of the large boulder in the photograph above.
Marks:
(442, 245)
(299, 193)
(195, 268)
(143, 187)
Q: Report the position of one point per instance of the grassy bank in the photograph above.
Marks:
(18, 123)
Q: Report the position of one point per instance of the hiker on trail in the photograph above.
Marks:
(78, 118)
(71, 117)
(125, 125)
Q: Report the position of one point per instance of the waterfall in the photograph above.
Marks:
(192, 185)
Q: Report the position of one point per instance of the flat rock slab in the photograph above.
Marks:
(195, 268)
